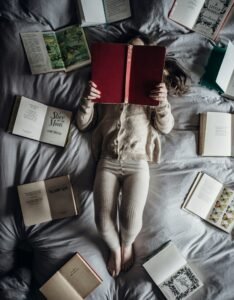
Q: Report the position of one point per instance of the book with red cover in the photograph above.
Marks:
(126, 73)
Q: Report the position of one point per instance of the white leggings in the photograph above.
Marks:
(132, 177)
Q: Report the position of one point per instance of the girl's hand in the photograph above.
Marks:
(159, 93)
(91, 92)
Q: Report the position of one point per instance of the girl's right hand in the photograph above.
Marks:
(91, 92)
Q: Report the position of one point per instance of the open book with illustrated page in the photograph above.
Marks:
(74, 281)
(40, 122)
(95, 12)
(216, 136)
(62, 50)
(126, 73)
(211, 201)
(47, 200)
(172, 274)
(219, 73)
(206, 17)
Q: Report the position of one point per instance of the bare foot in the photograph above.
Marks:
(114, 263)
(127, 257)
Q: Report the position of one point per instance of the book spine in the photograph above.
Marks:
(128, 73)
(14, 114)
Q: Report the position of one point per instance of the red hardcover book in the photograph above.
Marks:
(126, 73)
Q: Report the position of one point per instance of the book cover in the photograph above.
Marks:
(126, 73)
(74, 281)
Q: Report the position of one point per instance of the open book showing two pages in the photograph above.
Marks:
(47, 200)
(74, 281)
(203, 16)
(62, 50)
(125, 73)
(216, 136)
(37, 121)
(172, 274)
(211, 201)
(94, 12)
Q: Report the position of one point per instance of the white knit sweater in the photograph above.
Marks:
(125, 131)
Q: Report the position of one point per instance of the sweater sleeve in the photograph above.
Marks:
(163, 118)
(86, 116)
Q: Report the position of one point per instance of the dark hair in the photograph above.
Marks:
(175, 77)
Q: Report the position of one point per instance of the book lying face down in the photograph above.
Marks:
(46, 200)
(126, 73)
(74, 281)
(172, 274)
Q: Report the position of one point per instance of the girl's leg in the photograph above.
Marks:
(134, 195)
(106, 192)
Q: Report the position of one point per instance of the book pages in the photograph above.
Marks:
(116, 10)
(58, 288)
(93, 12)
(204, 196)
(232, 134)
(30, 118)
(186, 12)
(73, 46)
(225, 77)
(217, 136)
(60, 197)
(34, 203)
(36, 52)
(56, 126)
(80, 275)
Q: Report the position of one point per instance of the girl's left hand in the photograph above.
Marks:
(159, 93)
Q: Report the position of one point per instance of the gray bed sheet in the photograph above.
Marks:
(207, 249)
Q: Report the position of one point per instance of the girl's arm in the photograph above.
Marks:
(86, 115)
(163, 119)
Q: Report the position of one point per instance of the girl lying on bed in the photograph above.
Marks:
(125, 139)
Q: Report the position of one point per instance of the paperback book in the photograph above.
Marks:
(40, 122)
(47, 200)
(74, 281)
(95, 12)
(61, 50)
(212, 201)
(206, 17)
(134, 72)
(172, 274)
(216, 135)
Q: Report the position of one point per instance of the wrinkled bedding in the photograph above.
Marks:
(207, 249)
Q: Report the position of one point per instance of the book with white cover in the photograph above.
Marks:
(212, 201)
(94, 12)
(216, 135)
(172, 274)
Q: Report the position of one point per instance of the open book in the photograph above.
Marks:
(203, 16)
(216, 137)
(74, 281)
(47, 200)
(172, 274)
(63, 50)
(94, 12)
(37, 121)
(126, 73)
(211, 201)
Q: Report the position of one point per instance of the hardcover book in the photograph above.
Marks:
(74, 281)
(126, 73)
(62, 50)
(216, 134)
(37, 121)
(206, 17)
(172, 274)
(94, 12)
(47, 200)
(212, 201)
